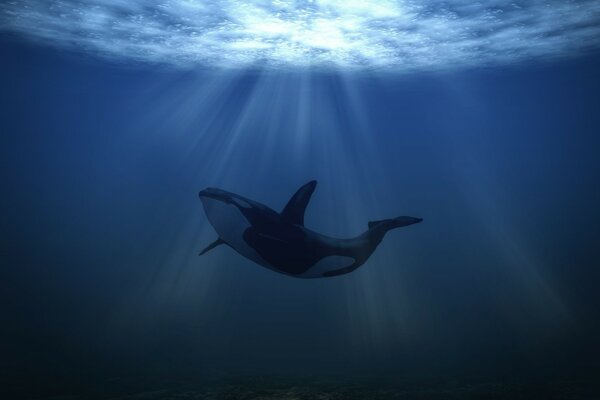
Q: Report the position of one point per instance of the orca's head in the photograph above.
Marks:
(230, 215)
(219, 197)
(221, 205)
(226, 212)
(215, 194)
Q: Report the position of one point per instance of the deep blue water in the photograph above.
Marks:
(101, 225)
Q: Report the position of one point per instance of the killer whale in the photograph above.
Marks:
(281, 242)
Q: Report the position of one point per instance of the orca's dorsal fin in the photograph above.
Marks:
(295, 208)
(211, 246)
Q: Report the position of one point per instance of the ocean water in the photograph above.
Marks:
(103, 294)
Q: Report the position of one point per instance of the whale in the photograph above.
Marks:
(280, 242)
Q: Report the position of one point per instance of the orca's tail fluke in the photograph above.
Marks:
(393, 223)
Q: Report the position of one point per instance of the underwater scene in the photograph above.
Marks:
(299, 199)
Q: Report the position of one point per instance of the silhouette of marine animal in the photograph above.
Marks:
(281, 242)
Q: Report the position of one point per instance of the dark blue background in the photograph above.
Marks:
(101, 225)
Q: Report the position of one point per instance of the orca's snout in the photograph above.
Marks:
(211, 193)
(216, 194)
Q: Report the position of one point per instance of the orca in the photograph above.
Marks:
(280, 242)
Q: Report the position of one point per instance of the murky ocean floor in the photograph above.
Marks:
(313, 388)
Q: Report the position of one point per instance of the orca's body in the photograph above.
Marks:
(279, 241)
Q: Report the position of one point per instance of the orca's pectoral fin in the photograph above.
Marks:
(397, 222)
(211, 246)
(296, 206)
